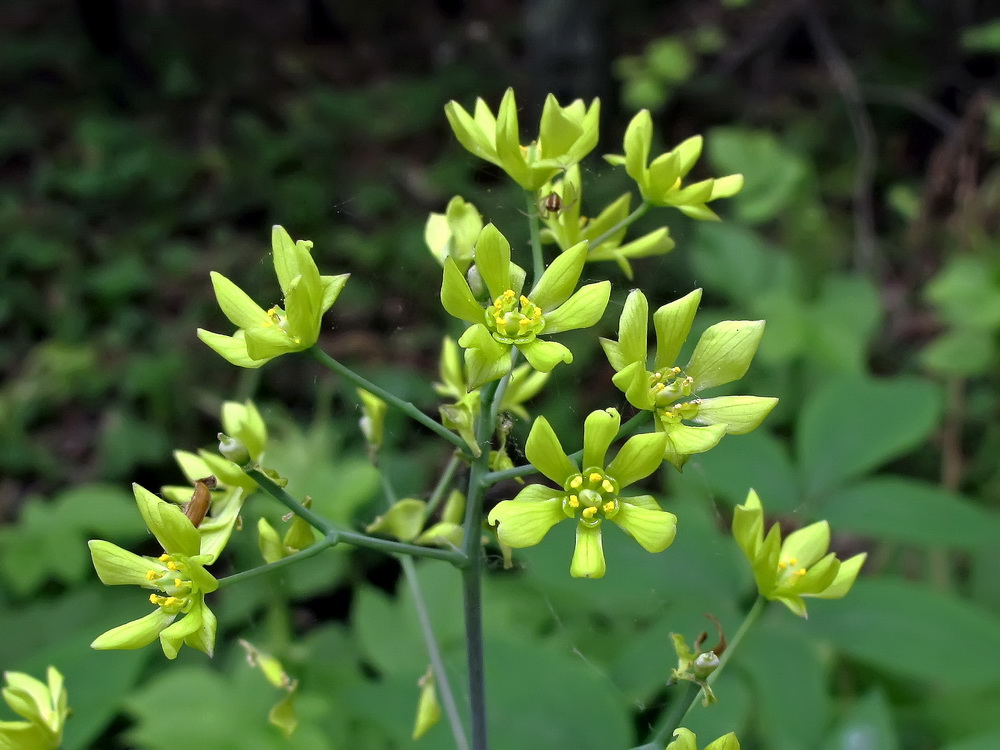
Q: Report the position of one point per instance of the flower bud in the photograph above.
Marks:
(234, 449)
(705, 664)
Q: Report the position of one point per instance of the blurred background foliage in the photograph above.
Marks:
(143, 144)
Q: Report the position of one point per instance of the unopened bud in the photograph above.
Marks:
(233, 449)
(705, 664)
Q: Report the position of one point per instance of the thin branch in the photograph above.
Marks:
(395, 401)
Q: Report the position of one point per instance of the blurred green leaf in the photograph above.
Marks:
(777, 654)
(850, 426)
(912, 631)
(774, 175)
(899, 509)
(867, 726)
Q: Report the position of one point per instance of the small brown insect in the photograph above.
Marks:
(197, 507)
(552, 204)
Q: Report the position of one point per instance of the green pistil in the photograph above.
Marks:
(677, 413)
(173, 582)
(594, 494)
(666, 386)
(514, 320)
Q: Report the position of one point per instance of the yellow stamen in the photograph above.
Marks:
(792, 560)
(589, 513)
(153, 599)
(524, 300)
(608, 507)
(607, 486)
(782, 565)
(800, 572)
(658, 387)
(595, 477)
(575, 484)
(172, 566)
(152, 575)
(178, 583)
(574, 501)
(164, 557)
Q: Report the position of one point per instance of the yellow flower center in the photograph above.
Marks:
(678, 413)
(789, 571)
(594, 494)
(279, 320)
(172, 580)
(514, 320)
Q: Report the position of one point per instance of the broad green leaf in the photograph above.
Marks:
(850, 426)
(910, 630)
(899, 509)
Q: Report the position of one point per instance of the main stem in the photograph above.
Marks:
(472, 592)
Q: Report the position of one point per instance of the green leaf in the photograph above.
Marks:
(907, 630)
(850, 426)
(899, 509)
(788, 672)
(774, 174)
(867, 726)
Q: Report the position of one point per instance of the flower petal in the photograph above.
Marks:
(493, 261)
(654, 530)
(546, 453)
(638, 139)
(633, 381)
(684, 440)
(559, 279)
(457, 297)
(846, 576)
(486, 358)
(633, 341)
(236, 304)
(588, 556)
(673, 323)
(117, 567)
(807, 545)
(135, 634)
(748, 526)
(172, 529)
(523, 523)
(685, 739)
(545, 355)
(469, 133)
(724, 352)
(599, 430)
(739, 414)
(582, 310)
(233, 348)
(269, 342)
(639, 457)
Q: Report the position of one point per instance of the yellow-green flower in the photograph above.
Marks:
(565, 136)
(685, 739)
(661, 182)
(567, 228)
(262, 334)
(42, 704)
(796, 568)
(177, 577)
(453, 234)
(589, 496)
(722, 355)
(512, 319)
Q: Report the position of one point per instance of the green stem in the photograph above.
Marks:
(492, 477)
(631, 218)
(322, 544)
(472, 594)
(538, 264)
(443, 485)
(666, 730)
(395, 401)
(433, 649)
(342, 535)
